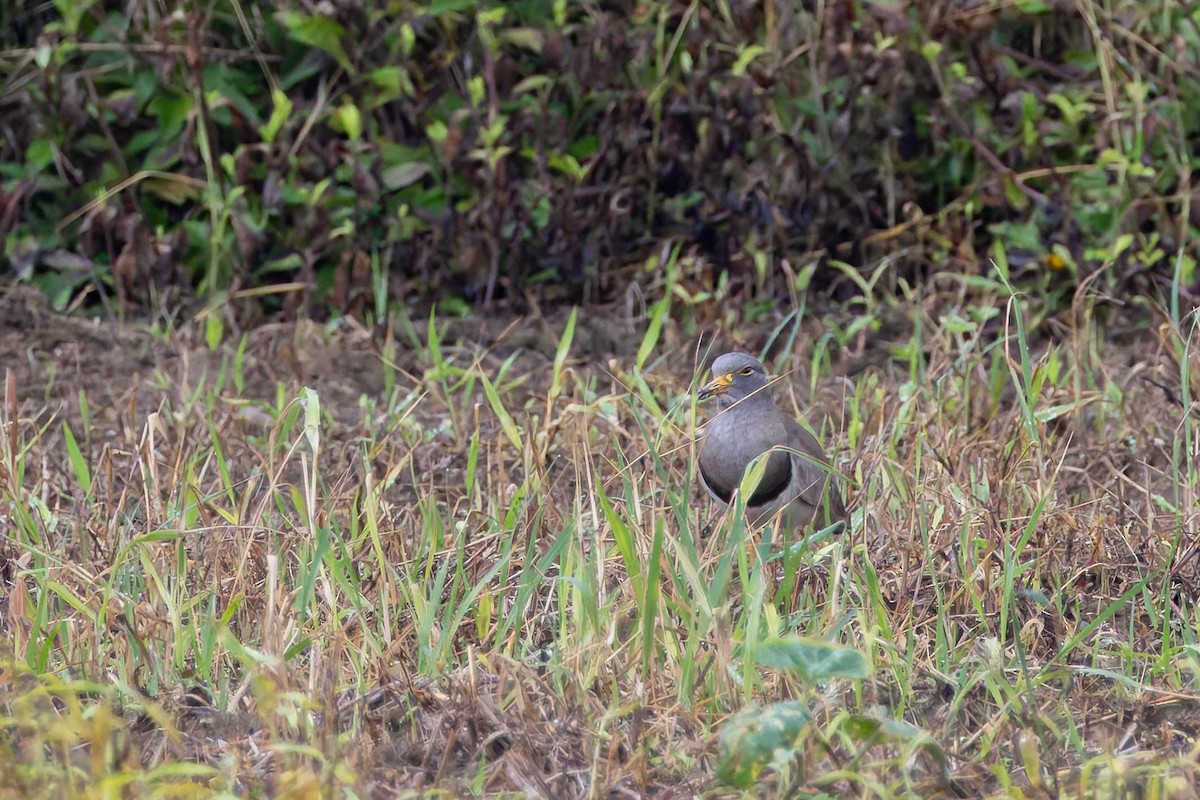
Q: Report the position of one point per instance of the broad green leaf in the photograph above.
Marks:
(813, 659)
(757, 738)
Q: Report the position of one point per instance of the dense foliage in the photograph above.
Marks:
(344, 153)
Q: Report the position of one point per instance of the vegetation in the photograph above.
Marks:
(318, 156)
(446, 539)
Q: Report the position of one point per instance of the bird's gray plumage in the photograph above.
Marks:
(797, 476)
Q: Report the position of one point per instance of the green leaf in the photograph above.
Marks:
(532, 84)
(214, 330)
(566, 164)
(623, 536)
(319, 32)
(400, 175)
(348, 119)
(872, 730)
(78, 463)
(1013, 194)
(174, 189)
(531, 39)
(476, 90)
(584, 147)
(39, 155)
(393, 83)
(506, 421)
(171, 110)
(650, 340)
(956, 324)
(749, 54)
(280, 111)
(442, 7)
(560, 355)
(757, 738)
(813, 659)
(42, 54)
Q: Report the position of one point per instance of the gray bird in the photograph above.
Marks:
(749, 424)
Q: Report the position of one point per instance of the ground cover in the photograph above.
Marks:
(469, 556)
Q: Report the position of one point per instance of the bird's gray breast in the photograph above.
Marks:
(728, 449)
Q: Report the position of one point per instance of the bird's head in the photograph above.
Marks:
(736, 376)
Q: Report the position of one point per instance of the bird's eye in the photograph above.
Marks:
(745, 371)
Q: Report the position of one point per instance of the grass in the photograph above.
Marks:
(472, 569)
(461, 558)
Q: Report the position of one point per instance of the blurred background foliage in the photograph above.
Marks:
(335, 156)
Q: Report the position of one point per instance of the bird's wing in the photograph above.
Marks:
(812, 473)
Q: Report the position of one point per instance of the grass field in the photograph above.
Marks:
(467, 557)
(465, 553)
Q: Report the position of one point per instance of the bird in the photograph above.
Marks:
(797, 477)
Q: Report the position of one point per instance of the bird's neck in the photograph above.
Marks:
(761, 398)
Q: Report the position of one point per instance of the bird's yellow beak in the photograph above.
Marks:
(718, 385)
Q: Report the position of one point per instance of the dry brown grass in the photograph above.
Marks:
(481, 569)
